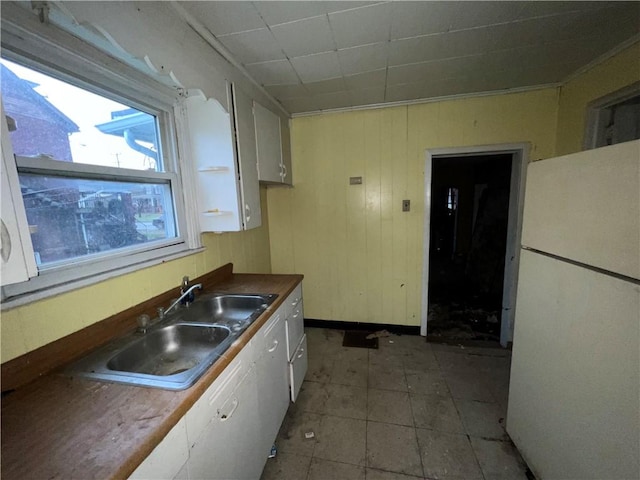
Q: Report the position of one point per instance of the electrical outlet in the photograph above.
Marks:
(406, 205)
(355, 180)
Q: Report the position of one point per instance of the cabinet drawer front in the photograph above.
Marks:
(206, 408)
(293, 300)
(295, 329)
(298, 368)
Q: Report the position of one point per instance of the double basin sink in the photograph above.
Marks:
(175, 352)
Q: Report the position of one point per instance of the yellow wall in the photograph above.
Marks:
(26, 328)
(615, 73)
(360, 254)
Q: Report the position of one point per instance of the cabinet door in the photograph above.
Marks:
(268, 144)
(285, 133)
(298, 368)
(17, 259)
(229, 449)
(168, 458)
(247, 159)
(209, 139)
(273, 383)
(206, 409)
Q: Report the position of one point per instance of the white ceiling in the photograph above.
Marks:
(313, 55)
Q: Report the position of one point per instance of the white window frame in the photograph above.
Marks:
(54, 52)
(596, 107)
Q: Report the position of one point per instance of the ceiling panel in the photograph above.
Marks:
(375, 79)
(274, 13)
(367, 96)
(318, 55)
(287, 91)
(277, 72)
(332, 100)
(225, 17)
(314, 68)
(304, 37)
(361, 26)
(410, 19)
(364, 58)
(253, 46)
(326, 86)
(428, 71)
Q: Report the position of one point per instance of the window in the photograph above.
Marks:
(614, 118)
(97, 172)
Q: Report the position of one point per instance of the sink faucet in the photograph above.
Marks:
(186, 297)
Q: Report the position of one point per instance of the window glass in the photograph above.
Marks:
(73, 217)
(61, 121)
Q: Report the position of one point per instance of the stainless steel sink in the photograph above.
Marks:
(226, 307)
(170, 350)
(175, 351)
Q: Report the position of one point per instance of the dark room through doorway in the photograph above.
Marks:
(468, 237)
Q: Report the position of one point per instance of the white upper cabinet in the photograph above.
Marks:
(285, 135)
(17, 260)
(247, 158)
(223, 151)
(269, 145)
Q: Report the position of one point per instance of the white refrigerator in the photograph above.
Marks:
(574, 396)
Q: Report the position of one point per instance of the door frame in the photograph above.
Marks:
(519, 161)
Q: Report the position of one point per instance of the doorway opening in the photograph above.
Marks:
(473, 212)
(469, 217)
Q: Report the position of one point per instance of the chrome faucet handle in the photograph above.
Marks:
(160, 312)
(185, 284)
(143, 322)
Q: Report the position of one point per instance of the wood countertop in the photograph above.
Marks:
(59, 427)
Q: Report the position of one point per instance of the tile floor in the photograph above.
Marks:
(407, 410)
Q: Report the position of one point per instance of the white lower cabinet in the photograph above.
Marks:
(229, 448)
(228, 433)
(168, 459)
(273, 382)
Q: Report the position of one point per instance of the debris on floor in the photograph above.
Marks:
(463, 322)
(378, 334)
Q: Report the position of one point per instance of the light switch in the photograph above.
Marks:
(406, 205)
(355, 180)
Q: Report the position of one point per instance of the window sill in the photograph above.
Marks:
(24, 299)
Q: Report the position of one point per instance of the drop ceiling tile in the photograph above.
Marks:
(305, 37)
(410, 19)
(332, 100)
(363, 59)
(477, 14)
(373, 79)
(326, 86)
(275, 13)
(253, 46)
(339, 6)
(441, 46)
(277, 72)
(541, 9)
(321, 66)
(431, 71)
(366, 96)
(287, 91)
(407, 91)
(300, 104)
(222, 18)
(370, 24)
(604, 22)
